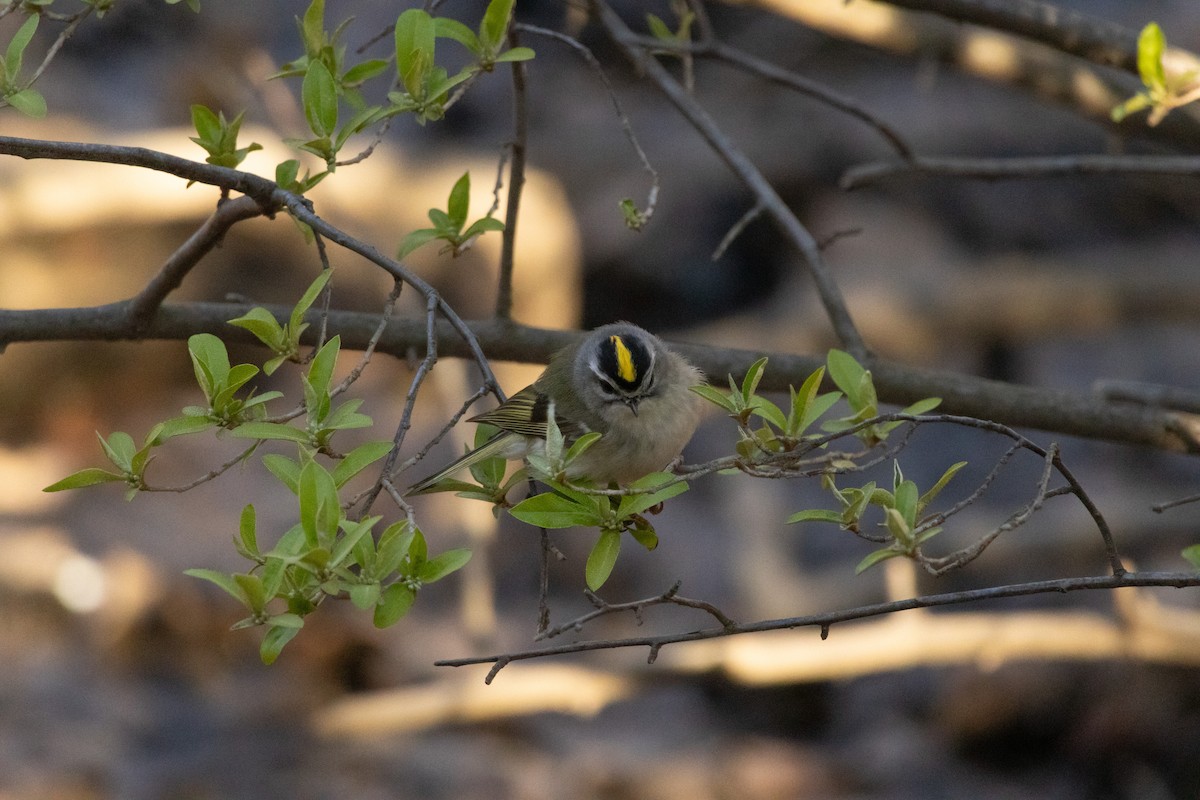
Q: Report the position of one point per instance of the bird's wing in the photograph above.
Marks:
(525, 413)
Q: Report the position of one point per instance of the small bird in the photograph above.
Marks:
(620, 381)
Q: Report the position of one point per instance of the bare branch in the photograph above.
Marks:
(826, 619)
(622, 117)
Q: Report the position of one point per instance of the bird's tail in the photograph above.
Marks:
(498, 445)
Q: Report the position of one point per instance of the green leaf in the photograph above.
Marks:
(417, 238)
(395, 602)
(934, 490)
(602, 559)
(414, 49)
(717, 397)
(447, 28)
(16, 47)
(359, 459)
(270, 430)
(658, 28)
(515, 54)
(210, 361)
(548, 510)
(353, 533)
(906, 502)
(252, 588)
(874, 558)
(922, 406)
(319, 94)
(1151, 45)
(120, 449)
(29, 102)
(753, 376)
(581, 445)
(226, 582)
(443, 564)
(816, 515)
(206, 123)
(85, 477)
(178, 426)
(274, 641)
(264, 326)
(495, 24)
(637, 503)
(764, 408)
(847, 374)
(363, 72)
(364, 595)
(285, 469)
(308, 298)
(312, 28)
(1192, 554)
(458, 203)
(247, 530)
(481, 226)
(320, 509)
(320, 371)
(394, 545)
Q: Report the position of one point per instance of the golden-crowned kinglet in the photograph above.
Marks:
(620, 381)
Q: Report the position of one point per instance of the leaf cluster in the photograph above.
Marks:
(13, 91)
(450, 226)
(325, 553)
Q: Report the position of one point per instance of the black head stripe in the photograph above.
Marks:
(625, 362)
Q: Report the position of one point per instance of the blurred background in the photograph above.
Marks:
(121, 677)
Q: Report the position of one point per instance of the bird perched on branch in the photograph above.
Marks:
(620, 381)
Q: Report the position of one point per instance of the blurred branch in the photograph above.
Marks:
(1026, 167)
(719, 51)
(765, 194)
(516, 183)
(1014, 45)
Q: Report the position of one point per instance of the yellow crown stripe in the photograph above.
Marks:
(626, 371)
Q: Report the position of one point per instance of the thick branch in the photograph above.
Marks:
(1020, 406)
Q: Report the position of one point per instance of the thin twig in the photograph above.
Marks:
(626, 126)
(389, 307)
(208, 476)
(795, 232)
(959, 558)
(603, 607)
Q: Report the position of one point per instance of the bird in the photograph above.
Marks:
(620, 381)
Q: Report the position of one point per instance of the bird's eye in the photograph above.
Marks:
(607, 388)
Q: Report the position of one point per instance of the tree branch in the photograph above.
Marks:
(1021, 406)
(1023, 168)
(827, 619)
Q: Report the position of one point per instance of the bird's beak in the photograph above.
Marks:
(632, 402)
